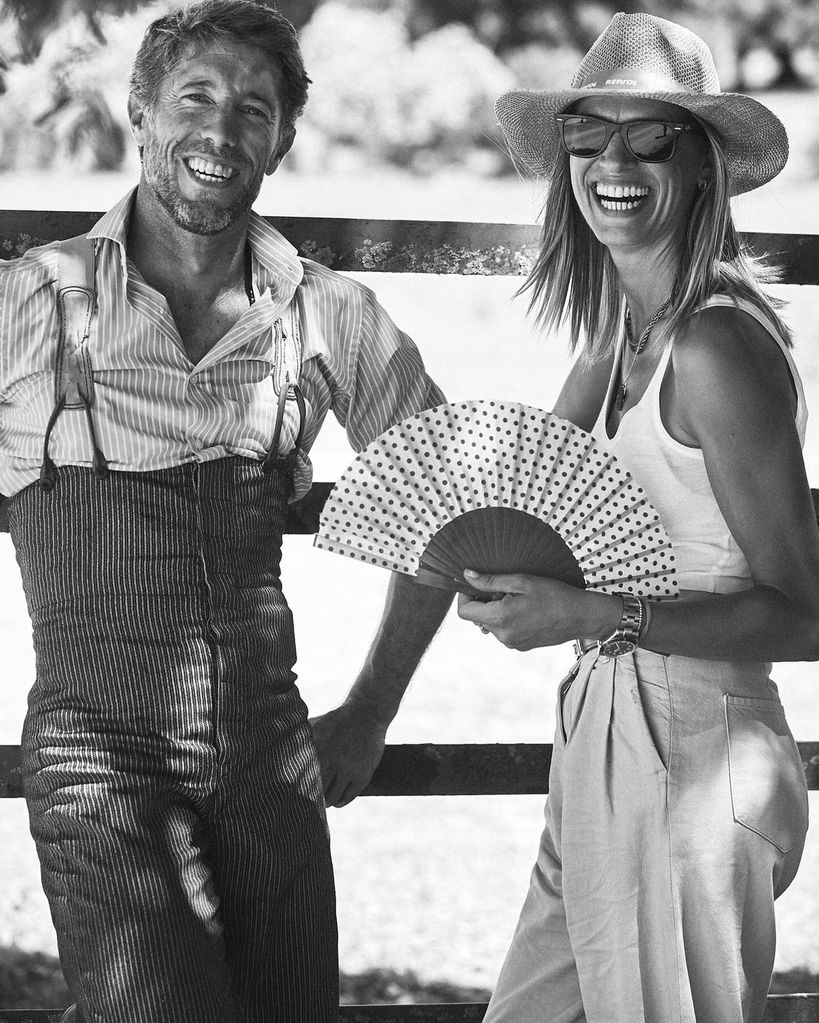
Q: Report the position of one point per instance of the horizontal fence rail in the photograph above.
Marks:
(426, 769)
(303, 516)
(780, 1009)
(439, 769)
(404, 246)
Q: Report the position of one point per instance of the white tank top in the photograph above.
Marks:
(675, 481)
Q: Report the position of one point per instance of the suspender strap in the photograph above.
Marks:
(287, 356)
(287, 348)
(73, 380)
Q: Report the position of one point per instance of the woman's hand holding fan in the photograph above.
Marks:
(525, 611)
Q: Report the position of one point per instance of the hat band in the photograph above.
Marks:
(624, 79)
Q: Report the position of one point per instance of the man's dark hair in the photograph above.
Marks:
(188, 30)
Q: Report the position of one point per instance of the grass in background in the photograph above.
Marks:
(33, 980)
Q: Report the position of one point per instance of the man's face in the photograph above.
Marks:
(211, 135)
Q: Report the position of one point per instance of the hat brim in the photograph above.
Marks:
(754, 140)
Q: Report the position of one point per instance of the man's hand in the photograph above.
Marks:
(350, 746)
(350, 739)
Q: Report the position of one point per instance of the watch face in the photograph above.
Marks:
(617, 647)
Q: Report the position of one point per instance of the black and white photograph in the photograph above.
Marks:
(409, 484)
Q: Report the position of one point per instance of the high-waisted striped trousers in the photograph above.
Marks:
(171, 779)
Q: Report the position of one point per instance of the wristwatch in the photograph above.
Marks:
(626, 636)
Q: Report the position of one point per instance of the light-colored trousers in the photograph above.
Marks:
(676, 814)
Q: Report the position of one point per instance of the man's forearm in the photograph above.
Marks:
(412, 615)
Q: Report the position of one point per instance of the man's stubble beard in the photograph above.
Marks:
(202, 216)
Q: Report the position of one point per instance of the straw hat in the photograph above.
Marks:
(645, 56)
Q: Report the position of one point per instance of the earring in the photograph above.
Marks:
(702, 184)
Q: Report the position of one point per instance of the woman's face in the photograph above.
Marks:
(628, 204)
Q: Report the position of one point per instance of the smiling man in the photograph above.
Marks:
(148, 450)
(189, 125)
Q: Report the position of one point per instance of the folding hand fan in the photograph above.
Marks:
(497, 487)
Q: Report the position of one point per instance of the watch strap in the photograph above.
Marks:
(628, 632)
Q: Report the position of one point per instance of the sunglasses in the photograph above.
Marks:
(648, 141)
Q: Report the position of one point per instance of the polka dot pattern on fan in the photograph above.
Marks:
(430, 470)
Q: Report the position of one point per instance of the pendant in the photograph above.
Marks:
(620, 398)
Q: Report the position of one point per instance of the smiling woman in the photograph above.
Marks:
(653, 894)
(657, 178)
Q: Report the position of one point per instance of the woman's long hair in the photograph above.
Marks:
(574, 280)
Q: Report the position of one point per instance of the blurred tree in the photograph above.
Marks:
(35, 19)
(65, 42)
(381, 67)
(768, 32)
(507, 24)
(783, 28)
(31, 21)
(423, 103)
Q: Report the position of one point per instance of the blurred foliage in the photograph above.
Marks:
(33, 20)
(779, 27)
(417, 103)
(66, 106)
(31, 979)
(35, 980)
(410, 82)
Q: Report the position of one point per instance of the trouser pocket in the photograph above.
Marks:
(562, 694)
(768, 791)
(644, 699)
(655, 703)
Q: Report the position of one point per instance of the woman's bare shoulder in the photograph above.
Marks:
(727, 365)
(729, 347)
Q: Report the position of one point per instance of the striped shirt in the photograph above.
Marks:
(153, 407)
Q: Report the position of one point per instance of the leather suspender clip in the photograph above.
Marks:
(287, 358)
(73, 376)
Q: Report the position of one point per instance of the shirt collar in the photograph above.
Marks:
(274, 253)
(277, 261)
(114, 227)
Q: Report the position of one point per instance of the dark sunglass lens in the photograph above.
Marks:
(583, 137)
(651, 141)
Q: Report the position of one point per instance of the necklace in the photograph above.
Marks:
(635, 347)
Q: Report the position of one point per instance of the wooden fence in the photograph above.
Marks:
(422, 769)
